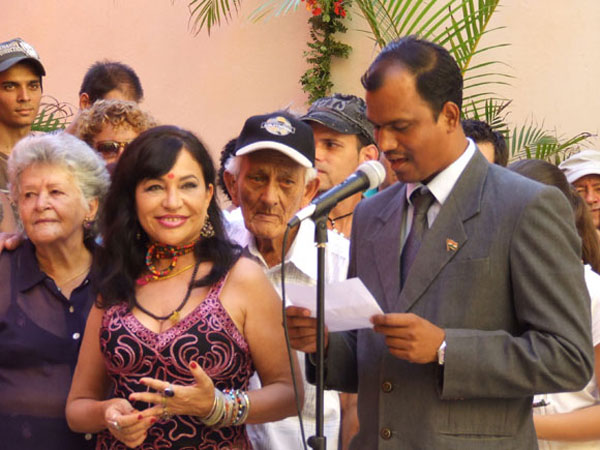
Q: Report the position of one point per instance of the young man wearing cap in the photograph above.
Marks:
(271, 176)
(20, 92)
(583, 171)
(343, 140)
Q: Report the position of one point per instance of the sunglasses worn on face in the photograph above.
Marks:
(111, 147)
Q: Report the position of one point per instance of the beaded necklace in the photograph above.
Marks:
(174, 315)
(158, 251)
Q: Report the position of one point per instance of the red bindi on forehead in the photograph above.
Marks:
(171, 175)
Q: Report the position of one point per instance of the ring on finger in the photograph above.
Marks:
(164, 402)
(166, 415)
(115, 425)
(168, 391)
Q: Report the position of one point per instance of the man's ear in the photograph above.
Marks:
(310, 190)
(231, 186)
(450, 115)
(84, 101)
(368, 153)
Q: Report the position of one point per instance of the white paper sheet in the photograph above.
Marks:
(348, 303)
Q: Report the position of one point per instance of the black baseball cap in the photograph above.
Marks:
(279, 131)
(17, 50)
(345, 114)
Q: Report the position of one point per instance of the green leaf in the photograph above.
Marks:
(208, 13)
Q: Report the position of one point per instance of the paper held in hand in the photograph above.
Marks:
(348, 304)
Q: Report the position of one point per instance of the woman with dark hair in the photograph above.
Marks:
(571, 420)
(183, 320)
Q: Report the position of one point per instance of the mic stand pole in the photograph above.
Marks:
(319, 441)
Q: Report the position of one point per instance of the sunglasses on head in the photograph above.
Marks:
(111, 147)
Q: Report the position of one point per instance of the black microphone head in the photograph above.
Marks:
(374, 171)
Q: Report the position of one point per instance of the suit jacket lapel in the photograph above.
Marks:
(463, 203)
(384, 243)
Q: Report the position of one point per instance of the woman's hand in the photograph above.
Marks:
(195, 400)
(127, 424)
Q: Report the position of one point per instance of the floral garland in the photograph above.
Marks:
(327, 19)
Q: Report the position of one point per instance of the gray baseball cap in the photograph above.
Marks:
(17, 50)
(345, 114)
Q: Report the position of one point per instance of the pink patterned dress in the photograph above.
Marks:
(208, 336)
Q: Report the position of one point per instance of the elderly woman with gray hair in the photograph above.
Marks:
(57, 183)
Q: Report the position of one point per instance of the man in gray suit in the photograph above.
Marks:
(481, 284)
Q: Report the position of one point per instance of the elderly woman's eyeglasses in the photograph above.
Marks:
(111, 148)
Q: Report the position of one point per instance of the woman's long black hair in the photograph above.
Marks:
(120, 260)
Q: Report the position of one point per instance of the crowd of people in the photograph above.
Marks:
(135, 312)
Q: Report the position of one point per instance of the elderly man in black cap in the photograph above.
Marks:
(343, 140)
(271, 176)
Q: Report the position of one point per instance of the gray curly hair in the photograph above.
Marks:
(63, 150)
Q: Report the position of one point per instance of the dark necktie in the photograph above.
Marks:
(421, 200)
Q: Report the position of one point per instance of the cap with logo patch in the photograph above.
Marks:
(279, 131)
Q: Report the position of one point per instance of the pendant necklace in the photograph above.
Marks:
(343, 216)
(174, 315)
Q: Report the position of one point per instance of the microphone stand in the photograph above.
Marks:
(319, 441)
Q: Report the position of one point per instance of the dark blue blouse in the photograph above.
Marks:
(40, 336)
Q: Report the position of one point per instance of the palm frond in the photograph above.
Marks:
(208, 13)
(272, 8)
(533, 141)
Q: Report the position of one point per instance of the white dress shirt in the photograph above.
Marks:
(300, 268)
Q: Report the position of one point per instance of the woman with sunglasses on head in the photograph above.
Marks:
(182, 320)
(108, 126)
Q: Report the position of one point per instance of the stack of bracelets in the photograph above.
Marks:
(230, 408)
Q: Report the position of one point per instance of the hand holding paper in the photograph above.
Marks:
(348, 304)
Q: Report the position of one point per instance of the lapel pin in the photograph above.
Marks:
(451, 246)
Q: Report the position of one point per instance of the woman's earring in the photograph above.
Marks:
(87, 223)
(207, 230)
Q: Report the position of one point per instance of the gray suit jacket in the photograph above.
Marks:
(511, 298)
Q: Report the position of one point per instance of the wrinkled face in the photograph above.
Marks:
(270, 189)
(112, 141)
(336, 155)
(20, 95)
(51, 205)
(414, 142)
(172, 209)
(588, 187)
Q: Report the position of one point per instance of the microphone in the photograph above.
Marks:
(369, 175)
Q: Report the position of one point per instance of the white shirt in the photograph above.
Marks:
(565, 402)
(440, 186)
(301, 268)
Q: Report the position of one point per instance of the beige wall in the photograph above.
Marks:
(211, 84)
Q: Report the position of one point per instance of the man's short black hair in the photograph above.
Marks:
(104, 76)
(227, 152)
(481, 132)
(438, 77)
